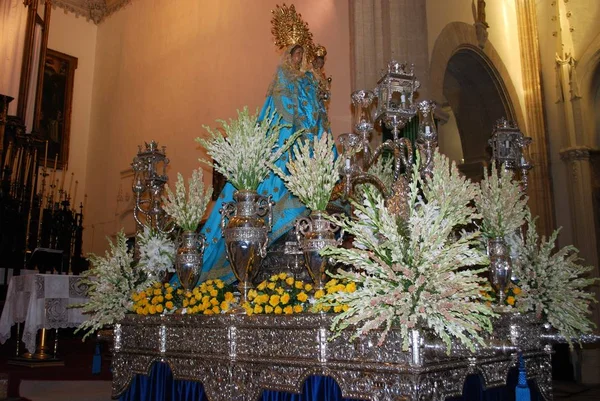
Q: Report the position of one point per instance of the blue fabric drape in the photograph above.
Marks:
(160, 386)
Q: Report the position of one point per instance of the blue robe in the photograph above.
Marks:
(295, 100)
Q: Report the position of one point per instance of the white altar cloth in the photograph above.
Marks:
(42, 301)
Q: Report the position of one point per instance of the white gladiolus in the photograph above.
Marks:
(245, 155)
(419, 272)
(111, 280)
(187, 209)
(313, 172)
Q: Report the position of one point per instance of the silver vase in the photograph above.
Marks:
(500, 266)
(188, 259)
(316, 233)
(245, 224)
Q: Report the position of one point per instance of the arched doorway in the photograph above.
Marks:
(475, 100)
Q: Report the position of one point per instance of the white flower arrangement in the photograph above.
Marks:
(245, 155)
(553, 283)
(415, 273)
(187, 209)
(111, 280)
(500, 203)
(157, 253)
(313, 171)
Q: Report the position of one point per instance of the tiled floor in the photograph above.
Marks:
(576, 392)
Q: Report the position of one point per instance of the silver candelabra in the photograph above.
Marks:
(148, 187)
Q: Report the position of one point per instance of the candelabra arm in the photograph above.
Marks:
(387, 145)
(364, 178)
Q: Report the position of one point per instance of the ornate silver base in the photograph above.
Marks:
(236, 357)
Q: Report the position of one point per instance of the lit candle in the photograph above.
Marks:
(46, 157)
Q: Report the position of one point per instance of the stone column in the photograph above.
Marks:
(382, 30)
(584, 181)
(540, 193)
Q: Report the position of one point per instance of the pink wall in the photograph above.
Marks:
(165, 68)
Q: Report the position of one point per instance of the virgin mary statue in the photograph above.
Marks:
(293, 96)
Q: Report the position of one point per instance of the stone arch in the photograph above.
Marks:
(459, 40)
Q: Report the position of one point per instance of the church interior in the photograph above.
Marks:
(84, 84)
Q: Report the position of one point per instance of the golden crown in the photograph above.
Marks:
(288, 28)
(320, 51)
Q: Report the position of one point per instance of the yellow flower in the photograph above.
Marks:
(326, 308)
(271, 286)
(214, 293)
(196, 291)
(224, 305)
(337, 308)
(282, 276)
(188, 294)
(135, 297)
(288, 310)
(510, 300)
(139, 310)
(229, 296)
(169, 305)
(185, 303)
(351, 287)
(157, 292)
(302, 297)
(203, 287)
(160, 298)
(345, 308)
(258, 309)
(289, 281)
(179, 291)
(209, 282)
(247, 308)
(157, 285)
(154, 300)
(298, 308)
(170, 290)
(274, 277)
(169, 296)
(279, 290)
(215, 309)
(285, 298)
(192, 301)
(205, 299)
(214, 301)
(142, 294)
(220, 284)
(261, 286)
(319, 294)
(159, 308)
(516, 290)
(278, 310)
(308, 287)
(331, 283)
(340, 287)
(299, 285)
(274, 301)
(208, 312)
(152, 309)
(145, 310)
(167, 285)
(268, 309)
(251, 294)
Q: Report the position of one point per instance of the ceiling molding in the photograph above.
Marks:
(92, 10)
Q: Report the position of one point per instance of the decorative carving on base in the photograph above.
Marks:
(240, 356)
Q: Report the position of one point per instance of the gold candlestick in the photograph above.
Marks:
(46, 156)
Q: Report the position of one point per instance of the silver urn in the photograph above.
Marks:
(245, 224)
(189, 259)
(315, 233)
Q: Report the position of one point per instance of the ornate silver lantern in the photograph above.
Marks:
(395, 93)
(508, 144)
(149, 167)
